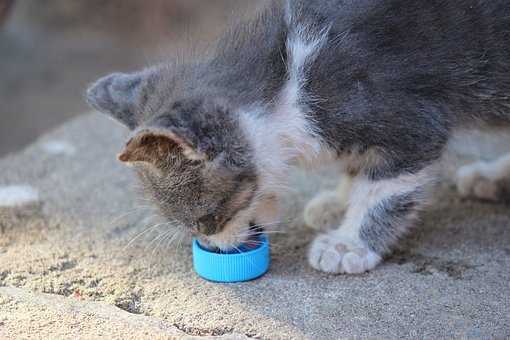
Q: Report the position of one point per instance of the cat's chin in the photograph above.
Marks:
(245, 228)
(214, 245)
(231, 242)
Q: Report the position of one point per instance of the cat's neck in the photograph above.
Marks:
(281, 137)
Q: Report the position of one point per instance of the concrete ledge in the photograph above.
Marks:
(74, 260)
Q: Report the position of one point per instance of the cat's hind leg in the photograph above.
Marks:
(488, 181)
(379, 213)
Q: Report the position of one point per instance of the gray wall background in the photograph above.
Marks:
(50, 50)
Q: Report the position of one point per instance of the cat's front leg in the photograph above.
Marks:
(379, 213)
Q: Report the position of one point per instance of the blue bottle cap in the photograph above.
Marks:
(235, 266)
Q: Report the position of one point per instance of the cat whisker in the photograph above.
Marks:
(162, 239)
(267, 232)
(142, 233)
(178, 231)
(268, 224)
(180, 242)
(159, 236)
(124, 215)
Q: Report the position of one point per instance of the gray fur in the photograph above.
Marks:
(384, 224)
(118, 95)
(399, 75)
(199, 193)
(393, 76)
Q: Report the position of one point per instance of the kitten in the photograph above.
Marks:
(377, 84)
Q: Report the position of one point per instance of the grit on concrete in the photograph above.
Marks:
(76, 263)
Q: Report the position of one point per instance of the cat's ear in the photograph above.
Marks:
(154, 146)
(118, 95)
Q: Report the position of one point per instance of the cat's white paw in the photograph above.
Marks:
(324, 211)
(333, 253)
(475, 180)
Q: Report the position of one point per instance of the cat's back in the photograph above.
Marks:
(454, 52)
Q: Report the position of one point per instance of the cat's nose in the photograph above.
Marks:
(207, 224)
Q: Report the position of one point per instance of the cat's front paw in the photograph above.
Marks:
(324, 211)
(334, 253)
(475, 181)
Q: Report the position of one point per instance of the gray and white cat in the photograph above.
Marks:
(377, 84)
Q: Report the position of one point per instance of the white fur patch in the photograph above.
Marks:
(500, 168)
(285, 136)
(59, 147)
(342, 250)
(338, 254)
(481, 179)
(366, 194)
(17, 195)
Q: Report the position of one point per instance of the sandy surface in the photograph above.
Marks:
(75, 262)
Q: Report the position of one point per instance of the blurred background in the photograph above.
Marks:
(50, 50)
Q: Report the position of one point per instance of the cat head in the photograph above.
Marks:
(190, 152)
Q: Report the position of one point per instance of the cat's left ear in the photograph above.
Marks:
(119, 95)
(153, 146)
